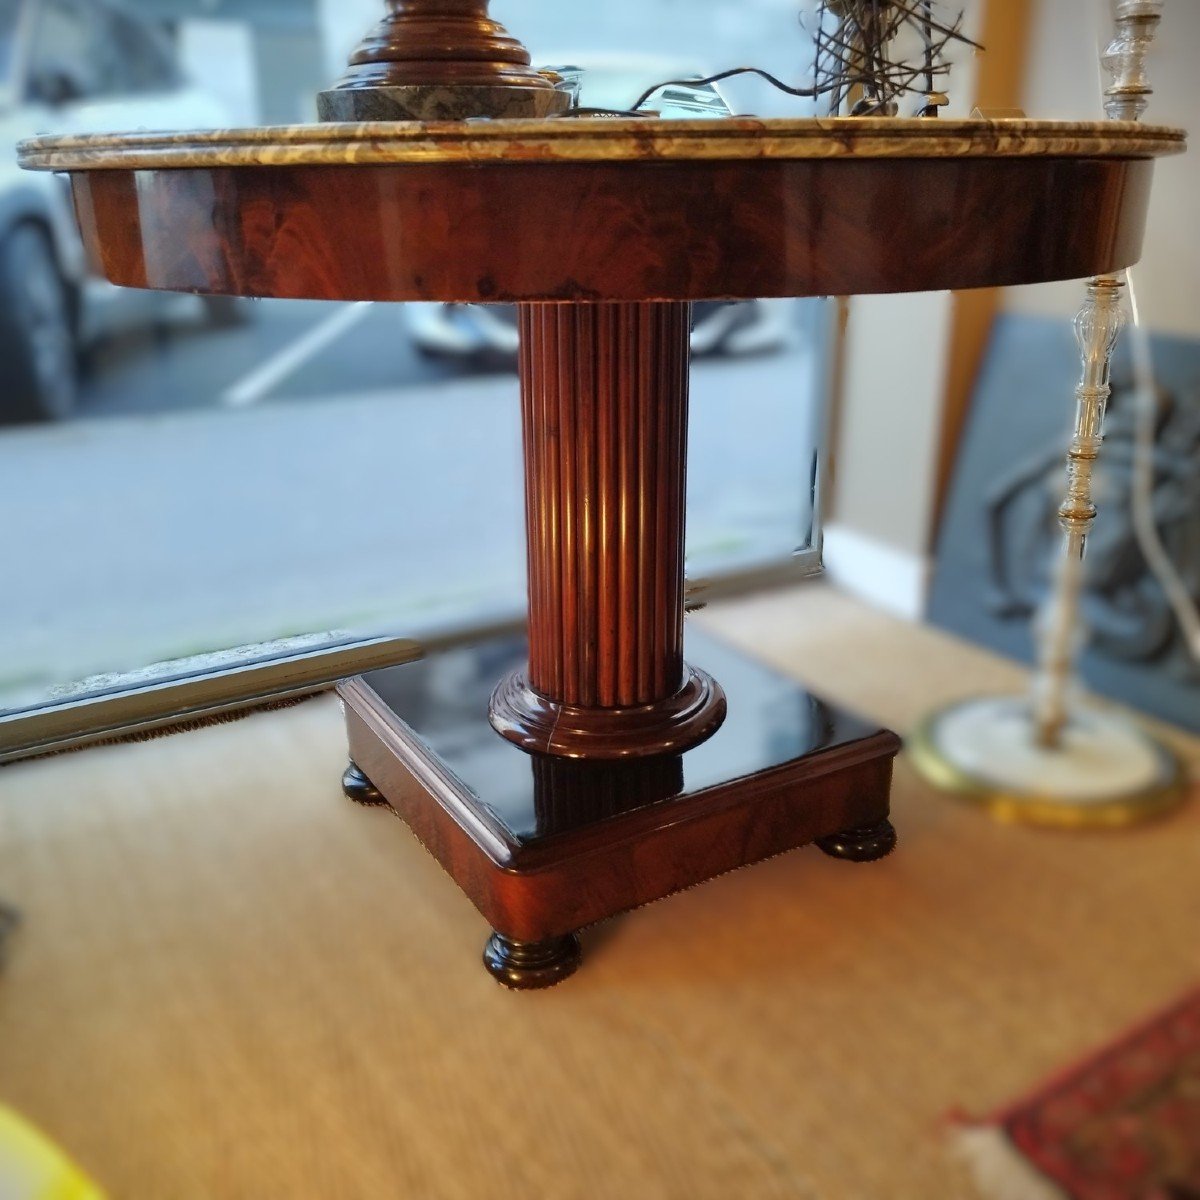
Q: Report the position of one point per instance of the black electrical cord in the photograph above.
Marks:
(805, 93)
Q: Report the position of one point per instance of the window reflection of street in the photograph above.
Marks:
(184, 362)
(194, 526)
(184, 358)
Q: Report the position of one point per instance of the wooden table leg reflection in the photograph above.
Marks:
(610, 722)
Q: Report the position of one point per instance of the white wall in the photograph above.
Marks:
(888, 440)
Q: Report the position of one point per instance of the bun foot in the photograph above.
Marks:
(360, 789)
(865, 844)
(528, 965)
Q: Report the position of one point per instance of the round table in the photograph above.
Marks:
(622, 772)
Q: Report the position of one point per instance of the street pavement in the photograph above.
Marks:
(369, 490)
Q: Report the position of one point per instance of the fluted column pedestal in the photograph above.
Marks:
(605, 400)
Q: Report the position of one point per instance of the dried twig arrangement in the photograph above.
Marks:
(860, 43)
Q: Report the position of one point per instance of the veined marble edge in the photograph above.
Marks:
(599, 140)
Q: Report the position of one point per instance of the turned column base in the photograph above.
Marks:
(525, 966)
(543, 726)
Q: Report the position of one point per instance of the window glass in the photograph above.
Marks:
(187, 478)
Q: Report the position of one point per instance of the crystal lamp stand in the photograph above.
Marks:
(1047, 758)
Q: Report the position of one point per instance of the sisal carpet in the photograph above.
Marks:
(231, 983)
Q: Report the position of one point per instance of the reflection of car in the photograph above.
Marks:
(75, 66)
(754, 327)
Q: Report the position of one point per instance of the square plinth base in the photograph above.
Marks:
(544, 847)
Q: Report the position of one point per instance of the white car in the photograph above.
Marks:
(614, 84)
(69, 66)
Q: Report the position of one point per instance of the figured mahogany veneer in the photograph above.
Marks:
(672, 230)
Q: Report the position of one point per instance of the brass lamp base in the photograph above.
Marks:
(1106, 774)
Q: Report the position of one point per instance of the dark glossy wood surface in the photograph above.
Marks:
(544, 847)
(678, 230)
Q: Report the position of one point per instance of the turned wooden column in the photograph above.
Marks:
(432, 60)
(605, 398)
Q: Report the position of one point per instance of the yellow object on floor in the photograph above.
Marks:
(33, 1168)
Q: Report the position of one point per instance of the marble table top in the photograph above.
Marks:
(600, 140)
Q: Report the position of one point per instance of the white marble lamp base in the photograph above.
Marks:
(1107, 772)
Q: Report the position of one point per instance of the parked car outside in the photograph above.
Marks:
(77, 66)
(608, 84)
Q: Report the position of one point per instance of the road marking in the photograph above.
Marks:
(265, 378)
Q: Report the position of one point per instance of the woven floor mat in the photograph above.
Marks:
(229, 982)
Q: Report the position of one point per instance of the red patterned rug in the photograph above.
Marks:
(1123, 1125)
